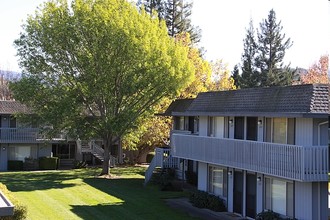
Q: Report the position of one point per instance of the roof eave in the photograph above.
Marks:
(254, 114)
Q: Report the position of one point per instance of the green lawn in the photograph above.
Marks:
(80, 194)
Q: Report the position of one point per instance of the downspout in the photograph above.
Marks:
(319, 132)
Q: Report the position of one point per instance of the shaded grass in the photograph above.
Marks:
(80, 194)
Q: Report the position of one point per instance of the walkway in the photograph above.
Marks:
(184, 205)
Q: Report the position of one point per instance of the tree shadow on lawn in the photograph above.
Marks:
(40, 180)
(138, 202)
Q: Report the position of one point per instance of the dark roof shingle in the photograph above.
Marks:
(12, 107)
(302, 99)
(179, 105)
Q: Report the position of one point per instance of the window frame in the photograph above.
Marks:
(212, 185)
(289, 194)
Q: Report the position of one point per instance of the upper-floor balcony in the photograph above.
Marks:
(23, 135)
(282, 160)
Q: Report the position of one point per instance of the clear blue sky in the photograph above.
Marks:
(223, 23)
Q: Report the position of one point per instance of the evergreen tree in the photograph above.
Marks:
(236, 76)
(152, 6)
(272, 45)
(177, 16)
(249, 73)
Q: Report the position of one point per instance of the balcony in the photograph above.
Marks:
(19, 135)
(281, 160)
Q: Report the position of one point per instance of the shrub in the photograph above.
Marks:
(15, 165)
(150, 156)
(31, 164)
(203, 199)
(166, 180)
(48, 163)
(191, 177)
(270, 215)
(20, 211)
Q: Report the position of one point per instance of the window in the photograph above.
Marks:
(211, 127)
(19, 153)
(196, 125)
(218, 181)
(179, 123)
(279, 196)
(280, 130)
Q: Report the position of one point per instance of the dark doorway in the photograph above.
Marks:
(251, 192)
(64, 150)
(238, 192)
(252, 128)
(191, 124)
(239, 128)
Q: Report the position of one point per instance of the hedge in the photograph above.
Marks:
(20, 211)
(48, 163)
(15, 165)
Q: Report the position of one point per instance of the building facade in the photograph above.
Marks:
(258, 149)
(21, 141)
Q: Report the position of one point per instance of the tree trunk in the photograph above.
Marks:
(105, 167)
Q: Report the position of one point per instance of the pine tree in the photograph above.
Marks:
(178, 19)
(250, 76)
(177, 16)
(236, 76)
(272, 45)
(152, 6)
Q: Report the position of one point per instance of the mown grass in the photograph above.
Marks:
(81, 194)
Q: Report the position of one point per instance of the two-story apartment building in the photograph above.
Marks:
(19, 141)
(258, 149)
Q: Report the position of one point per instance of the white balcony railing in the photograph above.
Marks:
(18, 135)
(282, 160)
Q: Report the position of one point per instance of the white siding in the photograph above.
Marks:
(219, 130)
(203, 126)
(230, 201)
(303, 201)
(304, 132)
(202, 177)
(260, 184)
(261, 129)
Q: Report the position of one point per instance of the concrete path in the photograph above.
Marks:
(184, 205)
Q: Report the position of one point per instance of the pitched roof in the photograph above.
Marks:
(285, 100)
(179, 105)
(12, 107)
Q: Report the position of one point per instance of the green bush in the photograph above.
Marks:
(165, 178)
(270, 215)
(31, 164)
(15, 165)
(20, 211)
(150, 156)
(48, 163)
(191, 178)
(203, 199)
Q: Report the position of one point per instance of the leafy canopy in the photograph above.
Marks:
(94, 67)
